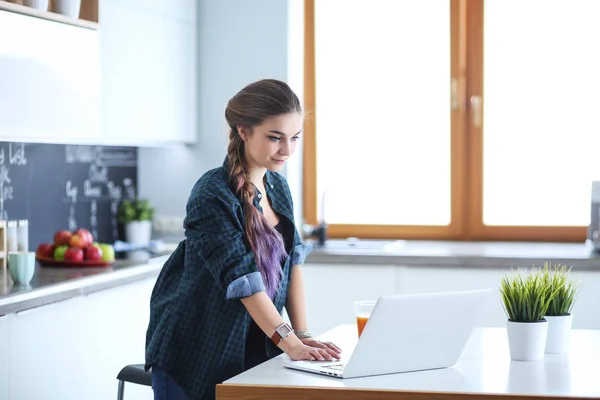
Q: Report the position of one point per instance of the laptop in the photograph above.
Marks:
(406, 333)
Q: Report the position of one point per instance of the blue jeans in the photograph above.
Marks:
(164, 387)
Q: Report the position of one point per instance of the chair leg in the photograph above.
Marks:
(121, 390)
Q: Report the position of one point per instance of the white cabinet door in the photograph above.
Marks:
(50, 85)
(5, 345)
(75, 348)
(331, 291)
(116, 326)
(148, 76)
(46, 352)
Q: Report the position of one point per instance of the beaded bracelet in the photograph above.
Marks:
(303, 334)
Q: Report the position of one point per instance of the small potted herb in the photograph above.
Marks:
(525, 300)
(136, 216)
(559, 317)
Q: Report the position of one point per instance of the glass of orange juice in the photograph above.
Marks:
(362, 311)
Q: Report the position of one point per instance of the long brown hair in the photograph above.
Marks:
(249, 108)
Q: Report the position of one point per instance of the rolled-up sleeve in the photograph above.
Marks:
(217, 235)
(300, 250)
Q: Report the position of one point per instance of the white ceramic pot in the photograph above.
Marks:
(37, 4)
(527, 340)
(70, 8)
(138, 232)
(559, 333)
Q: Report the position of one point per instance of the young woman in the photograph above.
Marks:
(217, 304)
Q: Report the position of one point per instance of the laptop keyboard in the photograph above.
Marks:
(337, 367)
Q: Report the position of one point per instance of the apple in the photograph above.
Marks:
(85, 234)
(45, 250)
(59, 252)
(62, 238)
(108, 252)
(80, 241)
(74, 254)
(93, 253)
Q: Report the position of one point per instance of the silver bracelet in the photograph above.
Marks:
(303, 334)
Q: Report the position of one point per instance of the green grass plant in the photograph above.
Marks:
(566, 288)
(526, 296)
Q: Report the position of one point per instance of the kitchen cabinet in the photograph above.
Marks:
(419, 279)
(74, 349)
(332, 289)
(116, 325)
(50, 87)
(5, 341)
(149, 84)
(46, 352)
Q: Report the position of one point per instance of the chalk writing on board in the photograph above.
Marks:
(71, 192)
(100, 156)
(117, 157)
(98, 174)
(91, 191)
(17, 154)
(60, 186)
(129, 188)
(116, 194)
(6, 190)
(15, 157)
(94, 218)
(97, 186)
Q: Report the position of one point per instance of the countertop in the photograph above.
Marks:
(55, 284)
(50, 285)
(483, 370)
(454, 254)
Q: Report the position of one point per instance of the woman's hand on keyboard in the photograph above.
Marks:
(301, 351)
(329, 348)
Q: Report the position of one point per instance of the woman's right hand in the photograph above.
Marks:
(297, 351)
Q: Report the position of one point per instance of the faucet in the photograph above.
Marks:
(319, 231)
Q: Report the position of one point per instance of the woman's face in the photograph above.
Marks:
(270, 144)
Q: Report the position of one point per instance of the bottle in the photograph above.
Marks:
(11, 237)
(23, 235)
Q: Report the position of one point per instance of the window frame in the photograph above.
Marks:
(466, 144)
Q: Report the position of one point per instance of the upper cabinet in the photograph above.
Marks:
(50, 76)
(149, 84)
(123, 73)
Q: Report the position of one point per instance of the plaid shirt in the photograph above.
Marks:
(198, 327)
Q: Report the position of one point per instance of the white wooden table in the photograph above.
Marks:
(484, 370)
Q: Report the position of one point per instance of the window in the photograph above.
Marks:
(425, 125)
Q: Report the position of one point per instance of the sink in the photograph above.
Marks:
(362, 244)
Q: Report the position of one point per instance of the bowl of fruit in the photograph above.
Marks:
(75, 249)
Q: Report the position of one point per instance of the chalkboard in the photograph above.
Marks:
(57, 186)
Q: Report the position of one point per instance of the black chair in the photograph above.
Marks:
(133, 373)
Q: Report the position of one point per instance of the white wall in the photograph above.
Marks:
(239, 41)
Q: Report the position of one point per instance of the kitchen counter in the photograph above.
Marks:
(484, 370)
(580, 256)
(55, 284)
(50, 285)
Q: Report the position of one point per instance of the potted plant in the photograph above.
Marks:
(525, 300)
(558, 315)
(136, 216)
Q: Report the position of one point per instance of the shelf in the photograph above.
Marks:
(89, 13)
